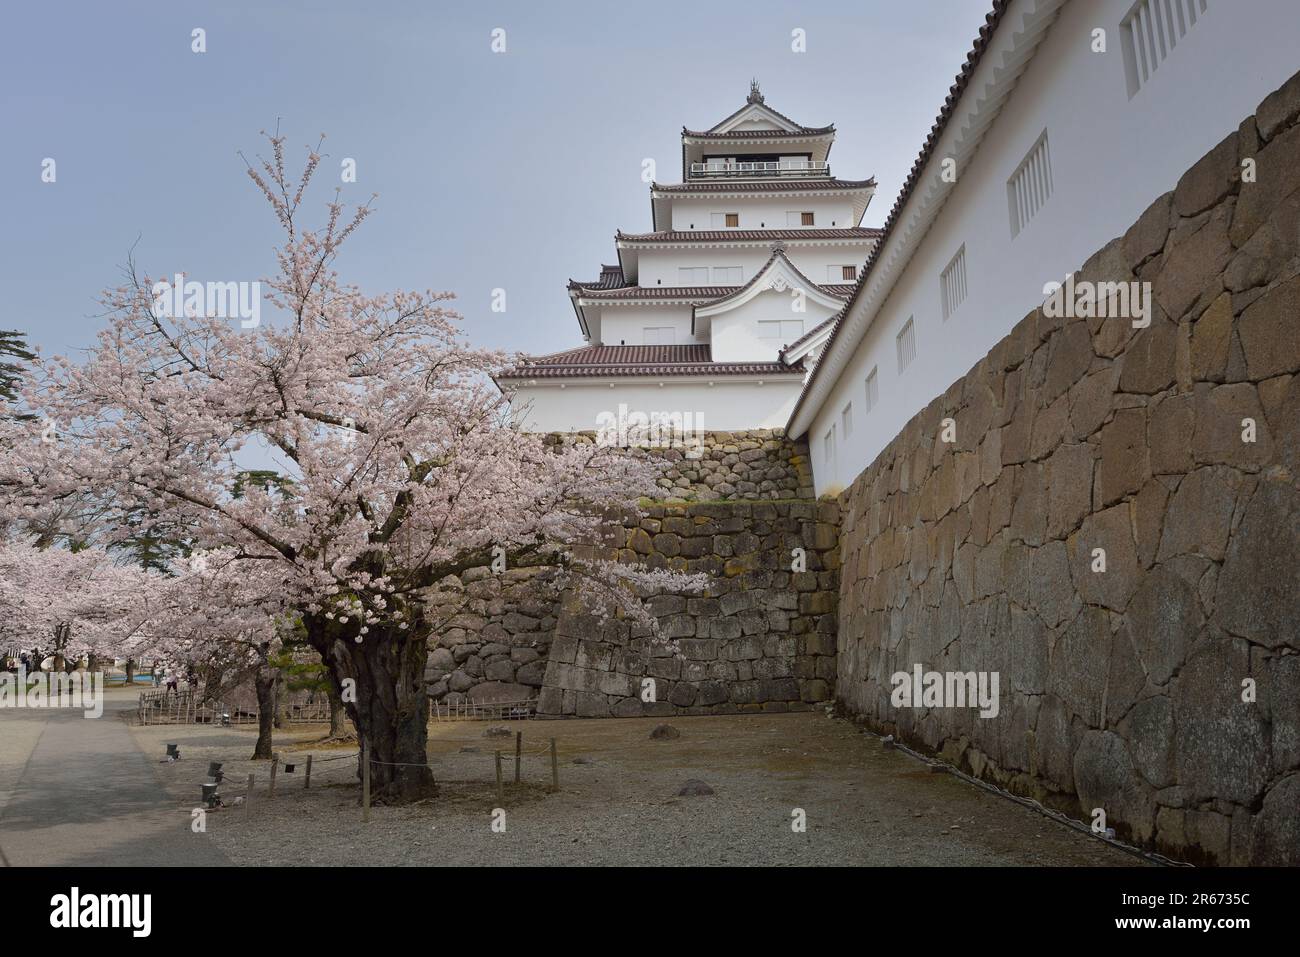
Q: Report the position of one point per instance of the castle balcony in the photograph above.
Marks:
(735, 169)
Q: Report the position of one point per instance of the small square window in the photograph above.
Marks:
(733, 220)
(952, 283)
(849, 273)
(873, 389)
(906, 343)
(805, 219)
(1030, 185)
(846, 420)
(1149, 33)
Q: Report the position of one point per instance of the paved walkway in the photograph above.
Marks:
(78, 792)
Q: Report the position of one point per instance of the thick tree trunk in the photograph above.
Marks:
(279, 701)
(92, 664)
(130, 671)
(338, 728)
(264, 682)
(389, 709)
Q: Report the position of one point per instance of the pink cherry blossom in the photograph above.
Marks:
(400, 464)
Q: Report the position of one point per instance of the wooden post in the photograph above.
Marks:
(519, 746)
(555, 768)
(306, 786)
(501, 800)
(248, 794)
(365, 782)
(275, 763)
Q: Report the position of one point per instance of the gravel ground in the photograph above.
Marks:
(618, 802)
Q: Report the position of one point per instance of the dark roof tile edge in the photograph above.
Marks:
(748, 235)
(991, 21)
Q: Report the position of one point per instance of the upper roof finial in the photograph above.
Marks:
(754, 95)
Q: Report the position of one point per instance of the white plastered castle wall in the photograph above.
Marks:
(663, 267)
(702, 213)
(1111, 156)
(728, 404)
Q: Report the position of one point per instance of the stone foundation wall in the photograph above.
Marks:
(498, 634)
(760, 638)
(728, 466)
(1164, 689)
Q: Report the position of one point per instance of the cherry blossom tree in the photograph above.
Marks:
(238, 645)
(71, 605)
(401, 465)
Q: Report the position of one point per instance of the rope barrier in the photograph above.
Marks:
(1029, 803)
(1041, 809)
(400, 764)
(339, 757)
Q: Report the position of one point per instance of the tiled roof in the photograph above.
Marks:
(611, 277)
(744, 235)
(760, 134)
(605, 361)
(685, 293)
(633, 355)
(763, 186)
(811, 334)
(955, 91)
(759, 273)
(756, 99)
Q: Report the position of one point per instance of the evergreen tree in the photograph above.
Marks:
(13, 346)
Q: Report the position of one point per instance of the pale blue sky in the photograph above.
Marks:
(494, 170)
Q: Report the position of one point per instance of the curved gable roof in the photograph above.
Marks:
(777, 262)
(756, 106)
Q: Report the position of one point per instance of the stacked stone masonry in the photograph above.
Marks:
(1166, 689)
(498, 634)
(760, 637)
(727, 466)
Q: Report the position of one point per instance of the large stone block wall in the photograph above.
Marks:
(761, 637)
(496, 637)
(1127, 689)
(495, 645)
(728, 466)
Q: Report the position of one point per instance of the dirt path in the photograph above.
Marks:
(80, 792)
(618, 802)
